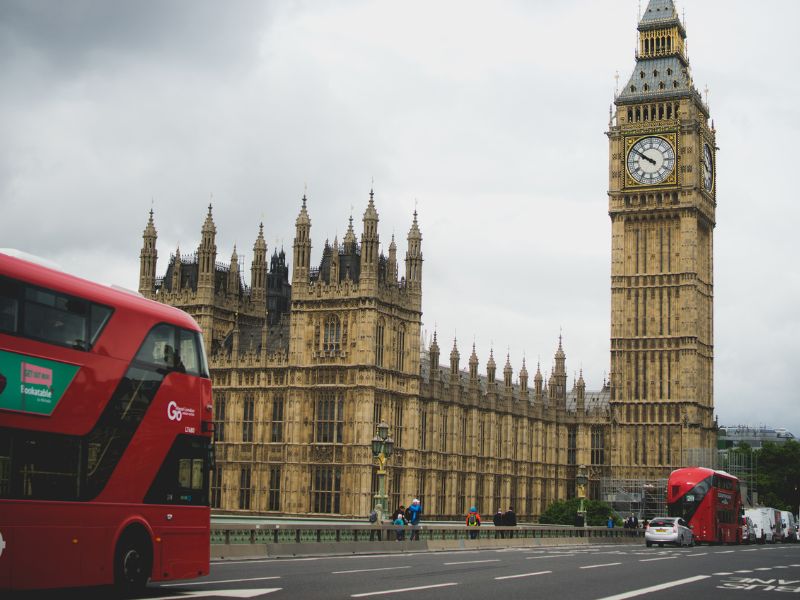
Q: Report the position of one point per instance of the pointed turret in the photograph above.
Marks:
(507, 372)
(233, 274)
(473, 365)
(414, 257)
(148, 259)
(207, 254)
(537, 384)
(258, 268)
(176, 271)
(302, 246)
(580, 393)
(350, 238)
(523, 378)
(391, 265)
(434, 354)
(370, 242)
(334, 279)
(491, 367)
(454, 359)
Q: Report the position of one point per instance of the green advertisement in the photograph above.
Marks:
(32, 385)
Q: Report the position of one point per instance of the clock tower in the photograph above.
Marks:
(662, 200)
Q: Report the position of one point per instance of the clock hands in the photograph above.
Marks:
(644, 156)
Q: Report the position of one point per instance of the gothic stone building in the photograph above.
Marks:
(304, 370)
(303, 373)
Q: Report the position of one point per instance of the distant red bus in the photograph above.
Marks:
(105, 435)
(709, 501)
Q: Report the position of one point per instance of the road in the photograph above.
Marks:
(581, 573)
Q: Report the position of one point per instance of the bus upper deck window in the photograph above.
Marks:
(189, 352)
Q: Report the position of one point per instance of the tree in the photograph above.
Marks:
(778, 476)
(563, 512)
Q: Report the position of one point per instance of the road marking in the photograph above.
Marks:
(224, 593)
(660, 558)
(745, 571)
(751, 550)
(725, 552)
(722, 573)
(367, 570)
(698, 554)
(764, 569)
(472, 562)
(781, 567)
(210, 582)
(655, 588)
(524, 575)
(605, 565)
(397, 591)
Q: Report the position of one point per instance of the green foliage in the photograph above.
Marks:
(564, 512)
(778, 478)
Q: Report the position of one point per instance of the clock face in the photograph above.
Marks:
(707, 168)
(651, 160)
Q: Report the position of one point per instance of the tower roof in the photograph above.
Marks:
(150, 228)
(208, 224)
(659, 13)
(371, 213)
(303, 218)
(663, 77)
(350, 235)
(414, 232)
(260, 243)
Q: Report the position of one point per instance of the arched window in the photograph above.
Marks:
(333, 334)
(380, 329)
(401, 347)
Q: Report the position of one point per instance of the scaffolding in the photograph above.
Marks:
(645, 498)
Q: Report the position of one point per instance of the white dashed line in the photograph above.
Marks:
(660, 558)
(597, 566)
(524, 575)
(698, 554)
(397, 591)
(764, 569)
(367, 570)
(722, 574)
(210, 582)
(654, 588)
(472, 562)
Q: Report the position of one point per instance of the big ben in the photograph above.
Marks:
(662, 200)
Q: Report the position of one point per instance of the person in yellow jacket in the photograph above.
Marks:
(473, 520)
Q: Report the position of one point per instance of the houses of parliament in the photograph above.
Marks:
(305, 367)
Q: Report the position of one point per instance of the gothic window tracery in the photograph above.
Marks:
(332, 339)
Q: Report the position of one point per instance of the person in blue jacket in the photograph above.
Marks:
(415, 510)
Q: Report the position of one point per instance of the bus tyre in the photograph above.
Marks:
(133, 561)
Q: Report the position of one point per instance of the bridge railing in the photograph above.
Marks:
(309, 533)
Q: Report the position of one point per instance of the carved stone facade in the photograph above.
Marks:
(297, 402)
(304, 371)
(662, 201)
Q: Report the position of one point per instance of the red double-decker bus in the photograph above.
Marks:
(105, 435)
(709, 501)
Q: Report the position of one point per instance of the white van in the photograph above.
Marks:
(763, 524)
(789, 526)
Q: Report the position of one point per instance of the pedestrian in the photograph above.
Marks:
(610, 522)
(415, 511)
(473, 522)
(401, 512)
(498, 522)
(510, 520)
(400, 523)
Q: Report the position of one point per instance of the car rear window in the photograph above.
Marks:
(661, 523)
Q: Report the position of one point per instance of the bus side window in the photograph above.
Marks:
(188, 351)
(9, 305)
(158, 347)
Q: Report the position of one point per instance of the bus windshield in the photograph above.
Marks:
(687, 505)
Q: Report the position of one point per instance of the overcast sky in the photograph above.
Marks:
(488, 117)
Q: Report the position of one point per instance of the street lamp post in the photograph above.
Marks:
(581, 480)
(382, 447)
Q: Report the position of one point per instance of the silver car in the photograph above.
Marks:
(668, 530)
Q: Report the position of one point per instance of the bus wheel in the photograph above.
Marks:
(133, 562)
